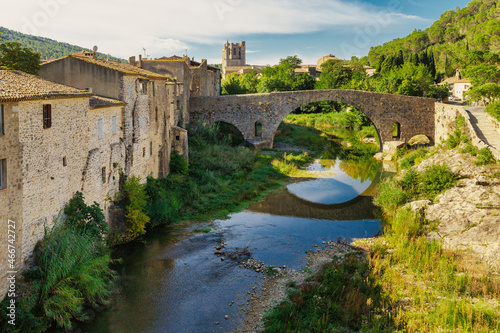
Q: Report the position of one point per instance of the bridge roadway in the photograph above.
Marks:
(414, 115)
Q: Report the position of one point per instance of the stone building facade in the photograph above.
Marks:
(43, 152)
(146, 113)
(190, 79)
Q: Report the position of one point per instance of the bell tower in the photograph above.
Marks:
(234, 55)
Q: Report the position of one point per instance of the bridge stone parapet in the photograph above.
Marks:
(415, 115)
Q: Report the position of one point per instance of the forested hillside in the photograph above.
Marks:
(477, 26)
(48, 48)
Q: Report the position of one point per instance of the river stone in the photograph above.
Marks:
(419, 140)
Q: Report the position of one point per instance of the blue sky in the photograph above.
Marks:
(273, 29)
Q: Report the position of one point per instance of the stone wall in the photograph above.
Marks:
(106, 156)
(80, 74)
(53, 163)
(180, 141)
(146, 128)
(11, 197)
(446, 116)
(414, 114)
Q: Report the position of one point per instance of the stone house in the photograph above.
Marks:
(190, 79)
(145, 118)
(43, 151)
(105, 151)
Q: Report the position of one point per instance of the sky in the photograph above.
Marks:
(272, 29)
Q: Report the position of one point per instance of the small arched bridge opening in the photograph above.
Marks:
(258, 116)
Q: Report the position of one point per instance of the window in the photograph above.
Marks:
(153, 85)
(99, 128)
(113, 120)
(178, 104)
(65, 162)
(1, 121)
(47, 116)
(143, 87)
(151, 148)
(3, 173)
(177, 138)
(103, 175)
(144, 152)
(396, 131)
(156, 114)
(258, 129)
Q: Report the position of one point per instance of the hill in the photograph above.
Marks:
(48, 48)
(477, 26)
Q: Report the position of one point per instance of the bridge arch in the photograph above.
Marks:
(414, 114)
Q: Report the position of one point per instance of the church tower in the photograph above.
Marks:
(233, 55)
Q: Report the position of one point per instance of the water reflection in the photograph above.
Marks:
(178, 285)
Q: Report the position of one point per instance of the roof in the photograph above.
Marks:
(178, 128)
(19, 86)
(117, 66)
(102, 102)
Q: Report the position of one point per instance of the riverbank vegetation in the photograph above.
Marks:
(220, 178)
(71, 271)
(405, 280)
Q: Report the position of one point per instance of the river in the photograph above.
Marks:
(171, 280)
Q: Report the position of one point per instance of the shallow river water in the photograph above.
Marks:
(174, 283)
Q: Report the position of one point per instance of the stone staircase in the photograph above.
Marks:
(483, 127)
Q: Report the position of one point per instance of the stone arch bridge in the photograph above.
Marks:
(413, 115)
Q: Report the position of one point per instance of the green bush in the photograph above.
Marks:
(89, 220)
(493, 110)
(410, 160)
(409, 181)
(135, 198)
(178, 163)
(70, 272)
(390, 196)
(484, 156)
(436, 179)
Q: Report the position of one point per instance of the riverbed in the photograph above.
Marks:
(173, 281)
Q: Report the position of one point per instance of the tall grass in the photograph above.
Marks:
(71, 272)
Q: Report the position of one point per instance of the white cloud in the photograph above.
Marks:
(167, 26)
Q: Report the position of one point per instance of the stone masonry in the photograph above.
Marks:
(414, 114)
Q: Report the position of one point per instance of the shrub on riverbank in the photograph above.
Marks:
(414, 186)
(70, 271)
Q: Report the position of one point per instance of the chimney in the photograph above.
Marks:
(140, 60)
(131, 60)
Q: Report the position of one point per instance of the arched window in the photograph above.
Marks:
(258, 129)
(396, 131)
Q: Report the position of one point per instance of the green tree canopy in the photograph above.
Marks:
(14, 56)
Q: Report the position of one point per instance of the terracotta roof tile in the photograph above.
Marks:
(121, 67)
(115, 65)
(19, 86)
(101, 102)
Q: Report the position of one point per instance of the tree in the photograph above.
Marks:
(334, 75)
(490, 92)
(483, 73)
(435, 91)
(232, 85)
(13, 56)
(294, 61)
(304, 81)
